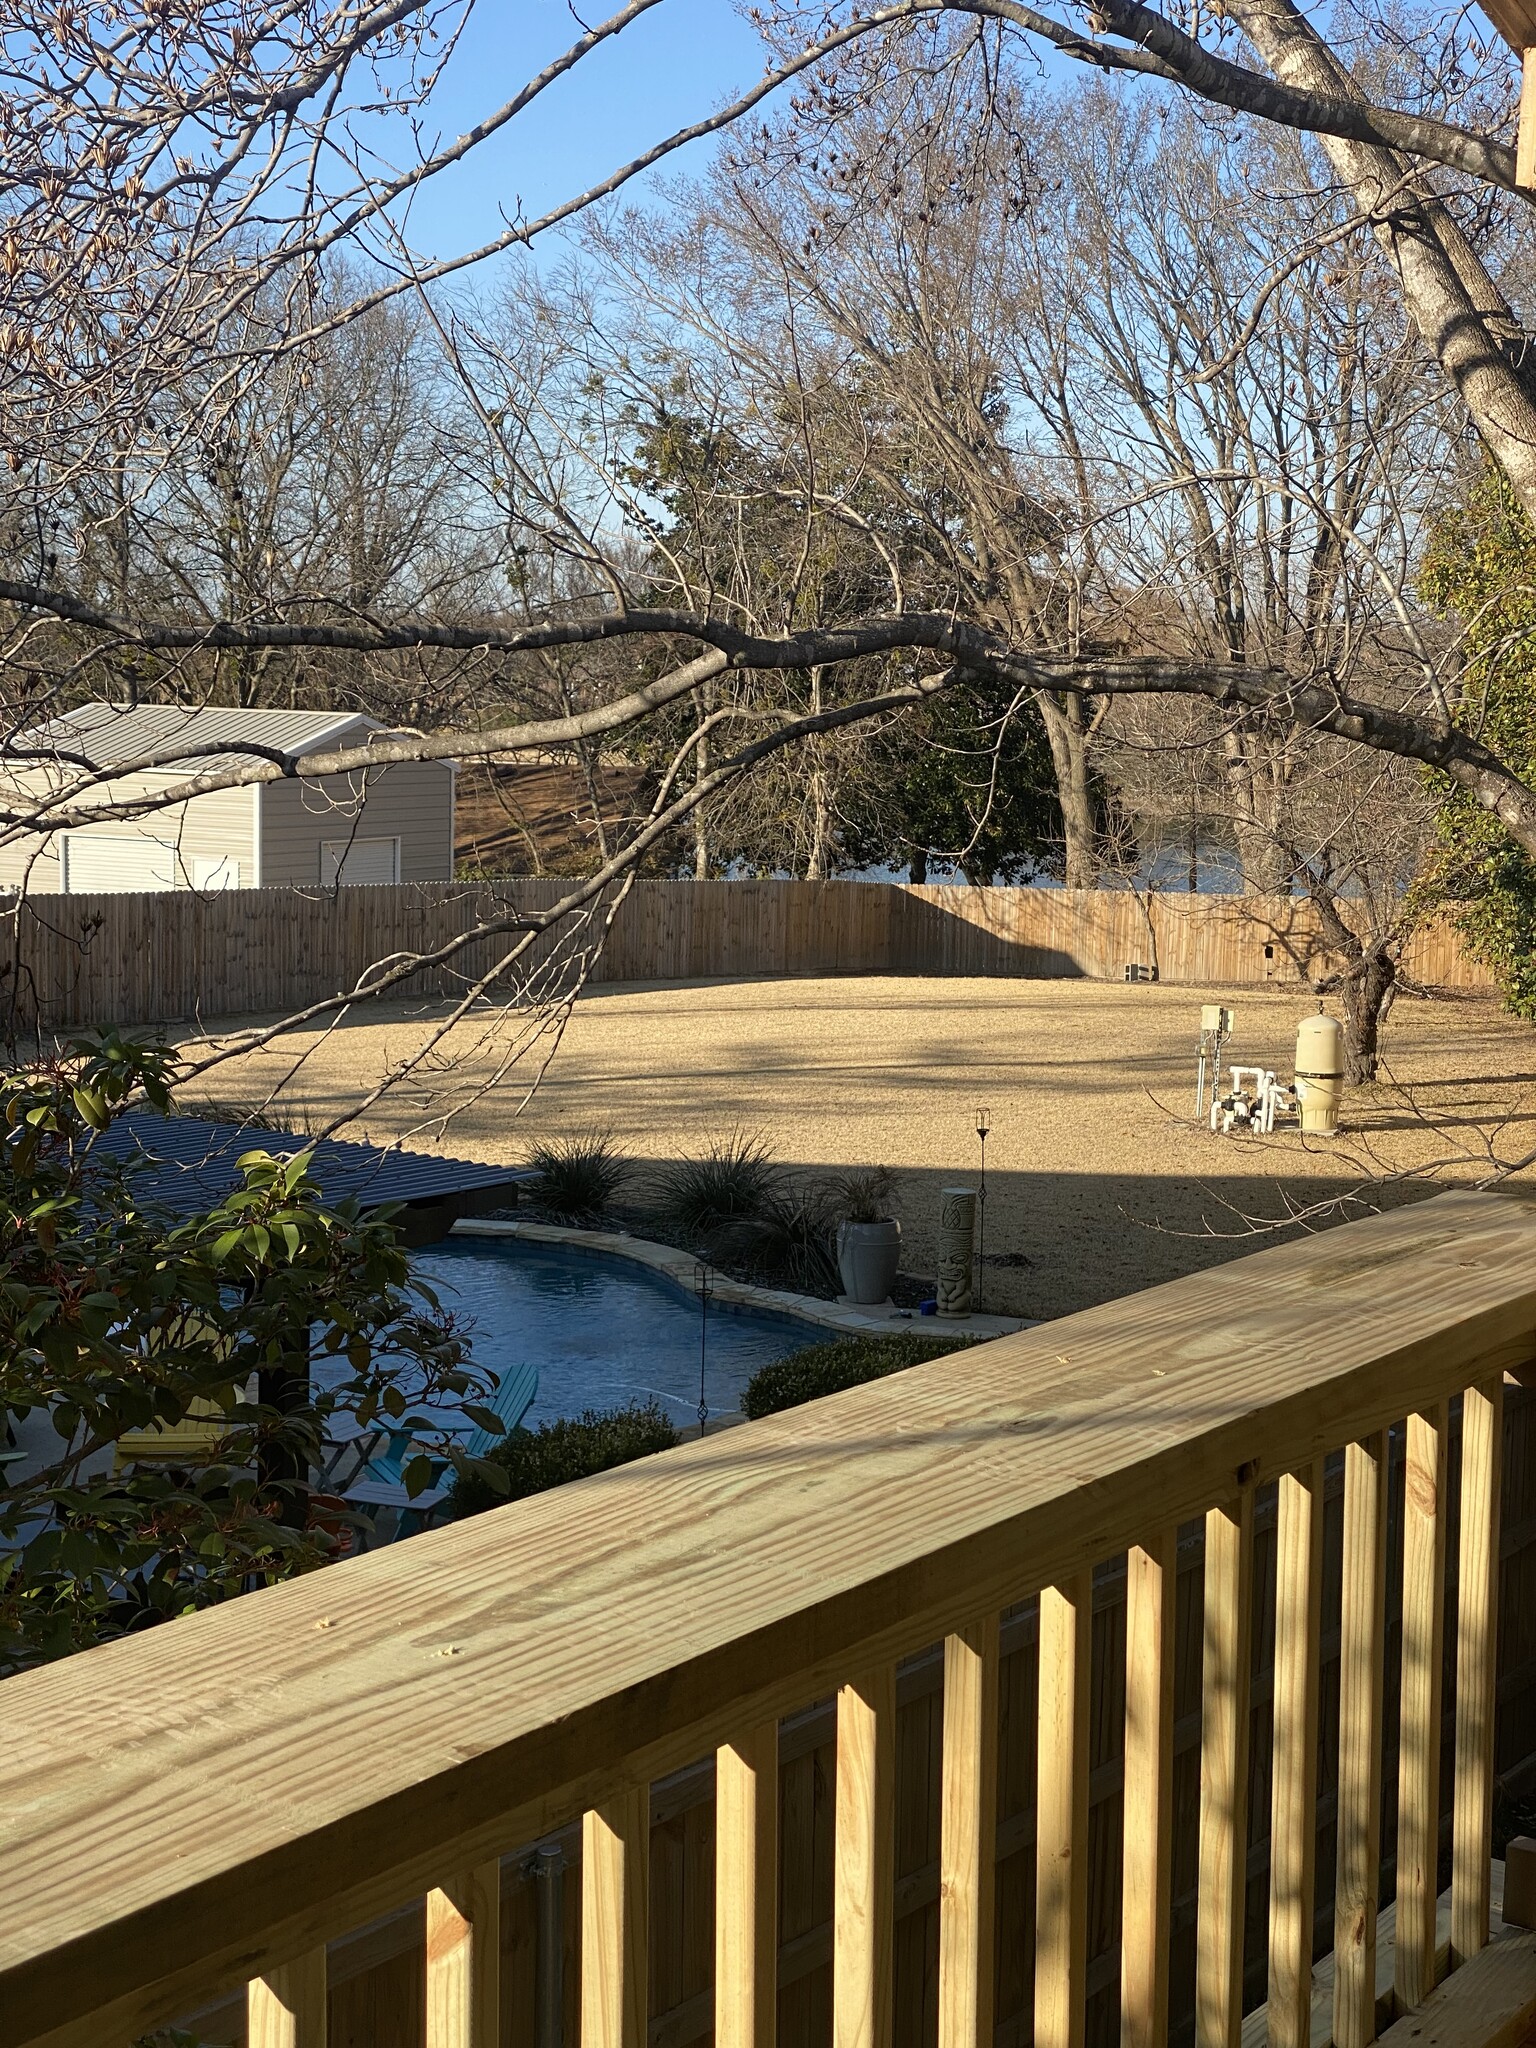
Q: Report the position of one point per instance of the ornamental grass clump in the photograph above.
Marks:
(863, 1194)
(735, 1179)
(579, 1177)
(788, 1241)
(572, 1447)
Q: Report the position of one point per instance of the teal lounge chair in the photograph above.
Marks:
(380, 1484)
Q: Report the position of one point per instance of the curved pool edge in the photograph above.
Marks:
(668, 1263)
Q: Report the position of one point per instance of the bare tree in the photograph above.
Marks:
(178, 191)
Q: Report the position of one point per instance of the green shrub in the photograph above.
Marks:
(578, 1177)
(570, 1448)
(734, 1179)
(846, 1362)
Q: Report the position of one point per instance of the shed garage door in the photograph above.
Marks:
(118, 863)
(349, 861)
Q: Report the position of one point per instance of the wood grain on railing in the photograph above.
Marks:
(463, 1957)
(1227, 1664)
(968, 1836)
(1418, 1754)
(1146, 1859)
(285, 2008)
(1293, 1780)
(1061, 1813)
(747, 1889)
(865, 1860)
(408, 1716)
(615, 1920)
(1357, 1881)
(1477, 1614)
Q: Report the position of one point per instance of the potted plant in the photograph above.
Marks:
(868, 1235)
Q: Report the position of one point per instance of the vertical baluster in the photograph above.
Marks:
(1061, 1814)
(1361, 1635)
(1150, 1597)
(615, 1921)
(864, 1858)
(1293, 1813)
(747, 1890)
(1225, 1679)
(464, 1960)
(968, 1837)
(286, 2007)
(1418, 1757)
(1477, 1613)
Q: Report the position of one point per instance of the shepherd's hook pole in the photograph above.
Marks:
(983, 1125)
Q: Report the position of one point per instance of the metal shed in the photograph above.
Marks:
(393, 824)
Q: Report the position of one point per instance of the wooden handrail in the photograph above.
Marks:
(208, 1803)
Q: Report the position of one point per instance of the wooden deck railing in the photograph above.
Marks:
(203, 1808)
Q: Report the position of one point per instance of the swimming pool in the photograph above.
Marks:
(602, 1331)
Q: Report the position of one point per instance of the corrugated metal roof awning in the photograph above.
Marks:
(190, 1162)
(112, 735)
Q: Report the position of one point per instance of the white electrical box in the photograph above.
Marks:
(1214, 1018)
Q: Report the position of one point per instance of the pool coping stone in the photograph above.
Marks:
(681, 1267)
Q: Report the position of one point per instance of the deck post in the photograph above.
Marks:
(864, 1853)
(1226, 1673)
(747, 1889)
(968, 1836)
(1361, 1647)
(1151, 1587)
(1293, 1809)
(1061, 1814)
(1418, 1754)
(286, 2008)
(1477, 1616)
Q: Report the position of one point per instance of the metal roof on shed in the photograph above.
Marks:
(110, 735)
(190, 1162)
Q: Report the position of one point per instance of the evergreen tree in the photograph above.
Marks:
(1481, 568)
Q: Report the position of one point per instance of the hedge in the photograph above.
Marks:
(570, 1448)
(846, 1362)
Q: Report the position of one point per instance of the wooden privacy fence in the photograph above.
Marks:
(134, 959)
(1081, 1774)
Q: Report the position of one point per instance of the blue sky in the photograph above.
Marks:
(668, 69)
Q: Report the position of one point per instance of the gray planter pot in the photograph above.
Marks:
(867, 1257)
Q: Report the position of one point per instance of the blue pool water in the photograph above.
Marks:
(601, 1331)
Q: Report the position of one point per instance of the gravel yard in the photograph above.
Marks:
(1099, 1183)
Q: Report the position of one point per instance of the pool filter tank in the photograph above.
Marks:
(1320, 1073)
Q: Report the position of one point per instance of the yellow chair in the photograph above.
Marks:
(188, 1442)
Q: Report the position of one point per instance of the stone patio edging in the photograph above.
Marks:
(668, 1263)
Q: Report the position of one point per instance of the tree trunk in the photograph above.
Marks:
(818, 860)
(1454, 302)
(591, 769)
(819, 857)
(701, 765)
(1366, 996)
(1074, 788)
(1365, 987)
(917, 872)
(1255, 812)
